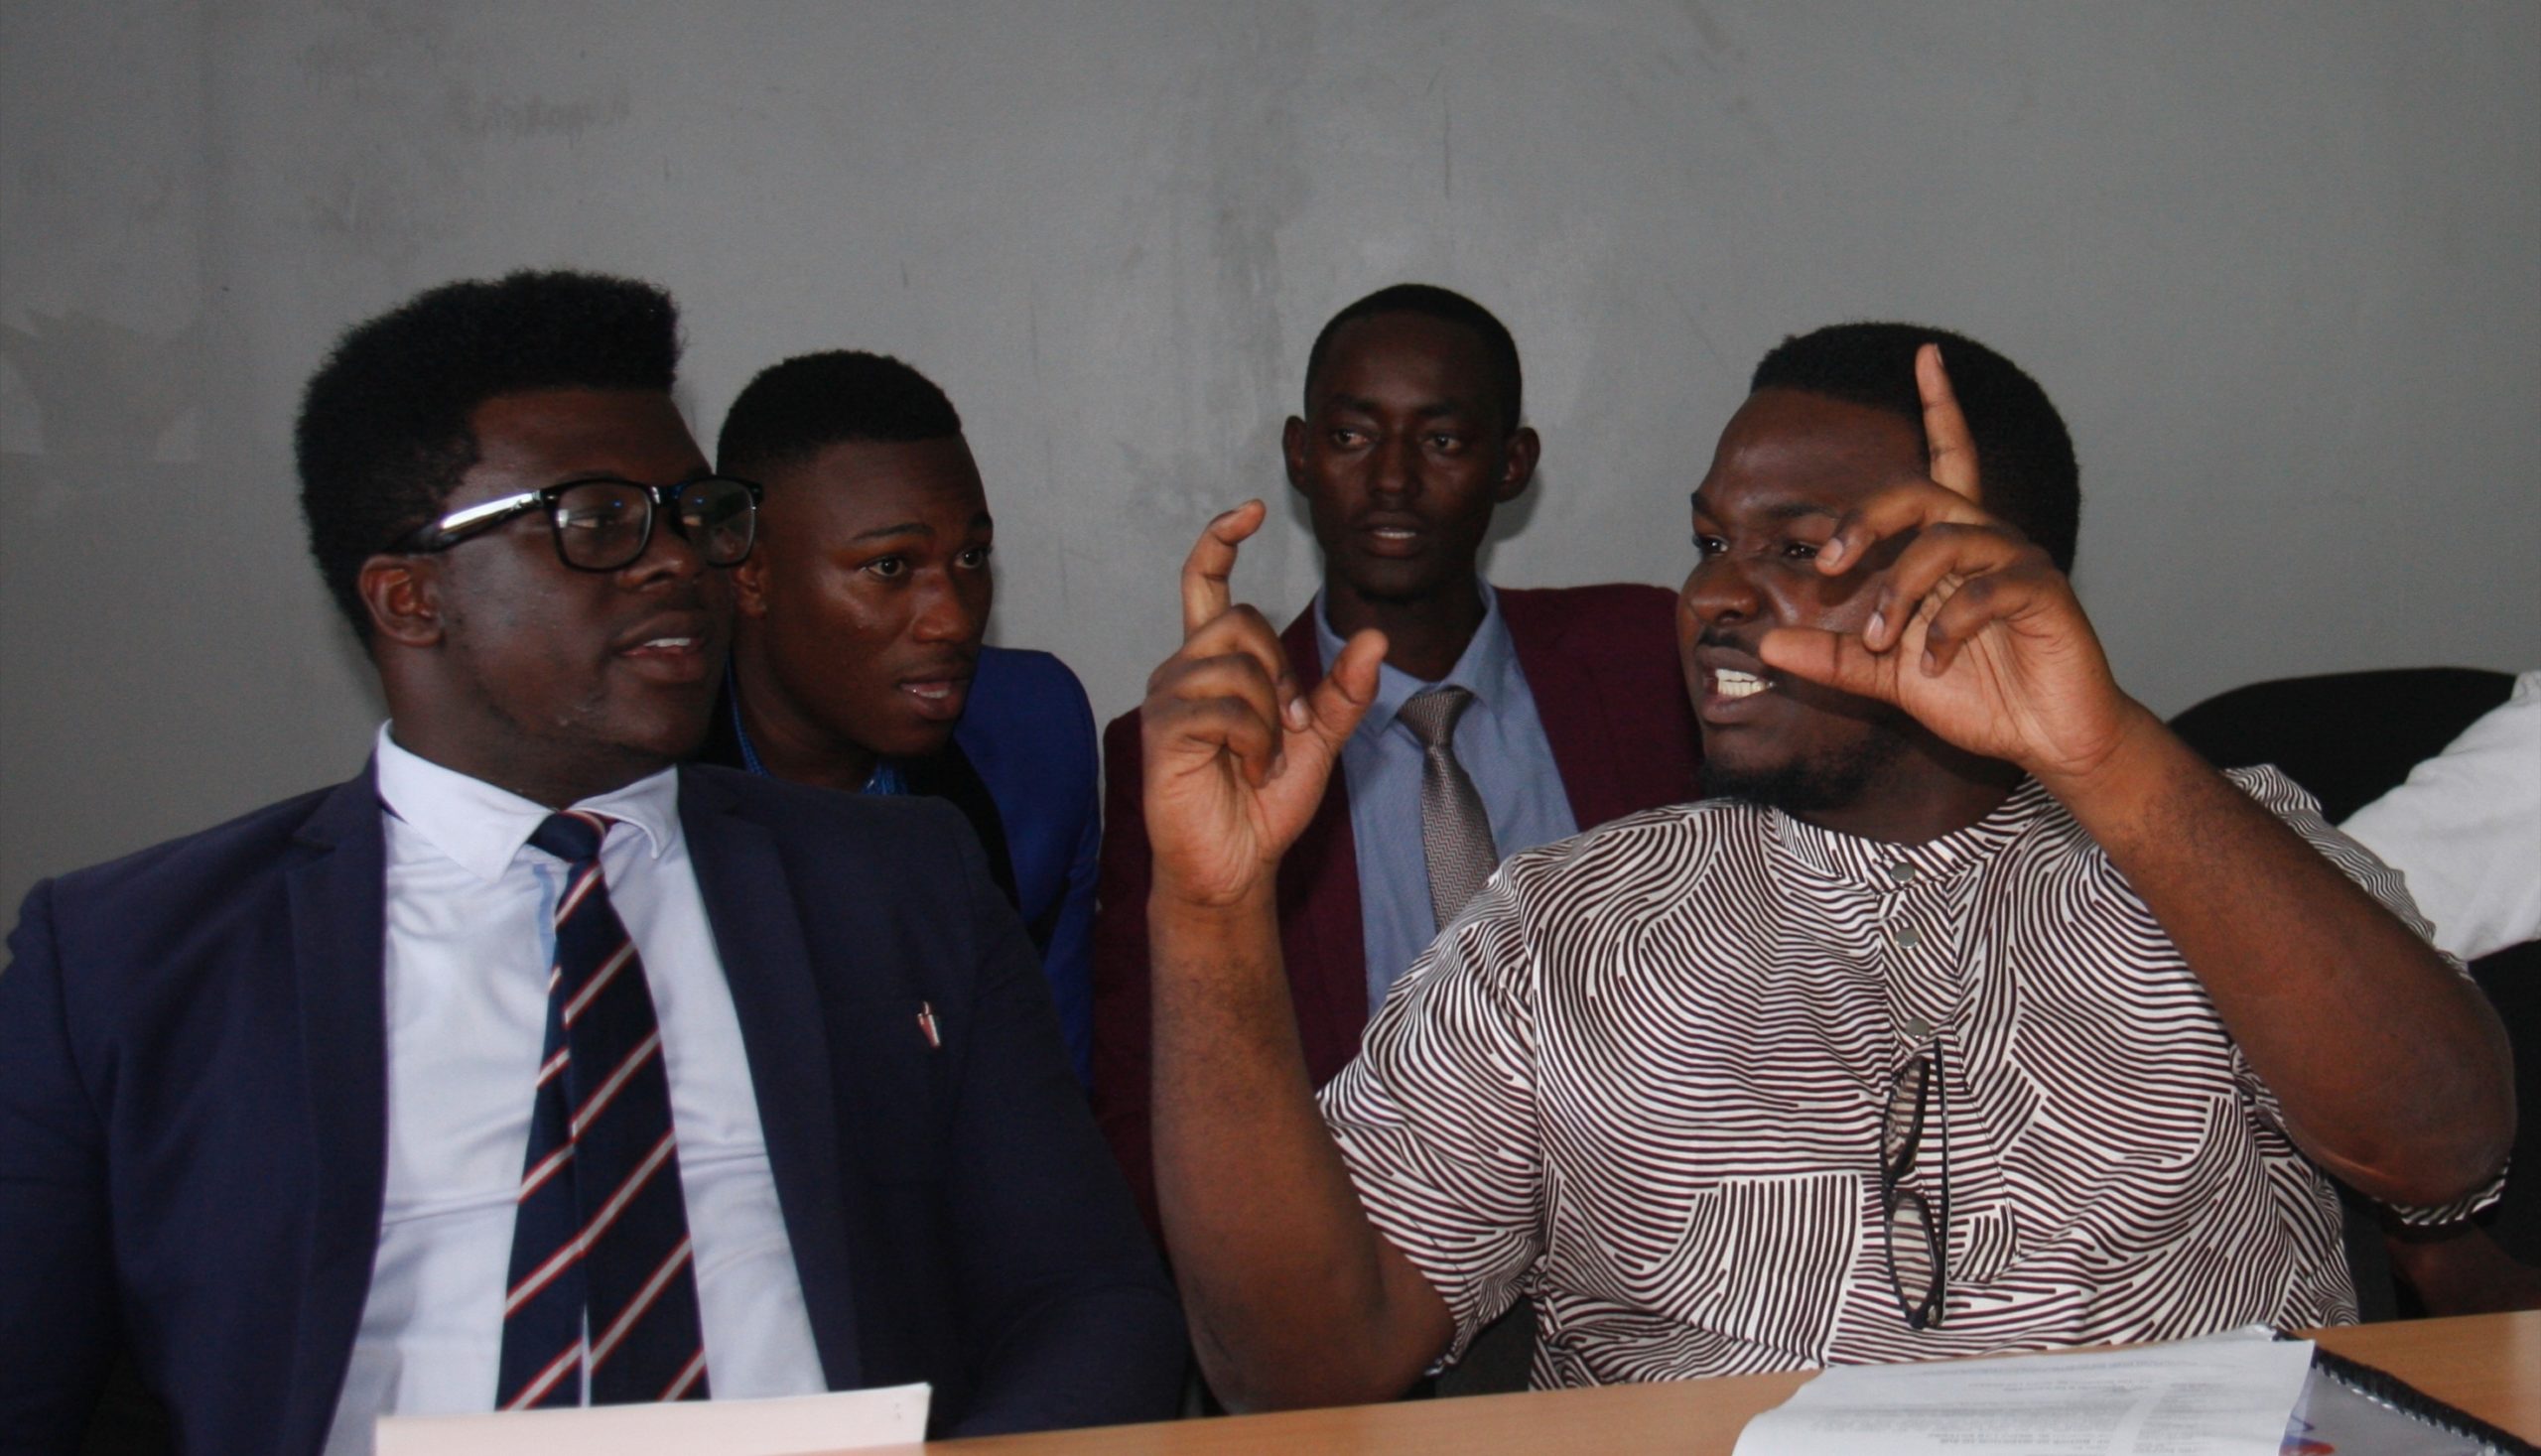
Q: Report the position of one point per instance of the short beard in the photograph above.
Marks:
(1834, 781)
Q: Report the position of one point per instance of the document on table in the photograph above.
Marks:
(2225, 1394)
(791, 1425)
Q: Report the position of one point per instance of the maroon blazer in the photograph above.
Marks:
(1602, 664)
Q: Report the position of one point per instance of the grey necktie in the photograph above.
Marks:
(1455, 830)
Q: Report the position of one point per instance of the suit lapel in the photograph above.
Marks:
(1319, 897)
(1568, 702)
(759, 934)
(337, 930)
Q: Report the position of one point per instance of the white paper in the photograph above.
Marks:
(2222, 1395)
(790, 1425)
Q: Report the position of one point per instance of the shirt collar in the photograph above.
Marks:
(1488, 669)
(483, 828)
(1888, 869)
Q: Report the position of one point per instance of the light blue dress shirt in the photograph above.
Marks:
(1501, 742)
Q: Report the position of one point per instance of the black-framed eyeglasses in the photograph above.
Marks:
(1915, 1229)
(602, 523)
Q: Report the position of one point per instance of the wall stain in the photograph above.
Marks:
(537, 116)
(105, 396)
(1719, 52)
(1232, 183)
(414, 136)
(1447, 148)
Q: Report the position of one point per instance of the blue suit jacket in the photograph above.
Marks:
(1029, 734)
(193, 1121)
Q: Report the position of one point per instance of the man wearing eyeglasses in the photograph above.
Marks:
(525, 1069)
(1974, 1012)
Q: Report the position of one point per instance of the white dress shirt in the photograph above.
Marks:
(468, 940)
(2466, 828)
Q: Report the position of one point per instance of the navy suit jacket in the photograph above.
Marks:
(1021, 769)
(193, 1121)
(1602, 665)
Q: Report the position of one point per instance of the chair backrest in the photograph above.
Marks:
(2349, 738)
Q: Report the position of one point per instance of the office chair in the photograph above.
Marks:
(2349, 738)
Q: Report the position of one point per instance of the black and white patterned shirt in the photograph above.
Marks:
(1641, 1080)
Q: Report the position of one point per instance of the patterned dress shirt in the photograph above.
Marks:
(1641, 1078)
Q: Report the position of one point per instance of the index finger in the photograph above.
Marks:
(1208, 570)
(1952, 448)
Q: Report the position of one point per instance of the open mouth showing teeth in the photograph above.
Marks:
(667, 644)
(1729, 682)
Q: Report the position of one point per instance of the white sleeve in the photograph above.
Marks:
(2465, 830)
(1436, 1117)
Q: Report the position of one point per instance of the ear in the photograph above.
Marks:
(749, 583)
(1519, 470)
(403, 593)
(1292, 449)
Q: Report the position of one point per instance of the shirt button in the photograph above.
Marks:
(1900, 873)
(1906, 939)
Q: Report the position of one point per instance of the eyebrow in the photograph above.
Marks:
(1361, 405)
(611, 478)
(1788, 511)
(914, 528)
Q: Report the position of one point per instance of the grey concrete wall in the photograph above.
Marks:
(2281, 264)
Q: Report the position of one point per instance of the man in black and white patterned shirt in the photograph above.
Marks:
(1972, 1012)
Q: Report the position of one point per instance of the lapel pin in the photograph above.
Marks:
(926, 1025)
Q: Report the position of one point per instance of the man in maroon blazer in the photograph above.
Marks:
(1573, 714)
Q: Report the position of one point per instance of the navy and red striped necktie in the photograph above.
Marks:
(601, 1273)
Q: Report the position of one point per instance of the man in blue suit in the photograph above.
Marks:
(271, 1095)
(859, 660)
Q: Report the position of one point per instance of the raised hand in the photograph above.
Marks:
(1293, 1297)
(1973, 630)
(2388, 1068)
(1237, 758)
